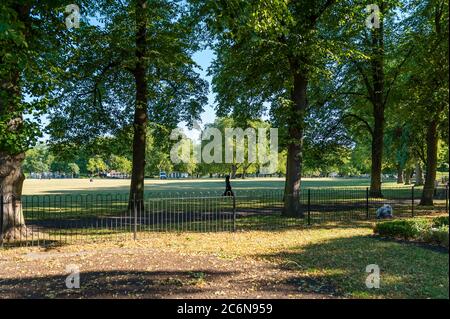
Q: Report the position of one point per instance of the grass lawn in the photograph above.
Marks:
(322, 261)
(325, 260)
(83, 186)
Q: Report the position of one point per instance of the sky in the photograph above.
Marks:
(203, 59)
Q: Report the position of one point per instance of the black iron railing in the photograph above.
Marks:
(68, 218)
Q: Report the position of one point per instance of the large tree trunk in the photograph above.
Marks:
(11, 183)
(431, 164)
(295, 145)
(419, 174)
(378, 102)
(399, 175)
(408, 176)
(140, 113)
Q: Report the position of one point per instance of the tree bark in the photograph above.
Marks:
(140, 113)
(378, 102)
(295, 145)
(234, 169)
(431, 164)
(399, 175)
(419, 174)
(408, 176)
(11, 183)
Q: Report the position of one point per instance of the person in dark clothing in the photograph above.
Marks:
(228, 190)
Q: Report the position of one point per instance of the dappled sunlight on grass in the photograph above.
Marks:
(328, 258)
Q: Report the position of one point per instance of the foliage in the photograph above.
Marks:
(96, 165)
(32, 39)
(428, 230)
(38, 160)
(403, 228)
(120, 164)
(99, 98)
(73, 168)
(440, 221)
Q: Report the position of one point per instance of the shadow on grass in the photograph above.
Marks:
(339, 265)
(117, 283)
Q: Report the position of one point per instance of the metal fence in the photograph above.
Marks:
(69, 218)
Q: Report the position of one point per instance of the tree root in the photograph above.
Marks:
(17, 233)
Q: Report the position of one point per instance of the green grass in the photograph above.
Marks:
(323, 258)
(406, 271)
(113, 186)
(328, 257)
(87, 207)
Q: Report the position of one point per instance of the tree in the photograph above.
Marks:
(271, 52)
(96, 165)
(134, 68)
(32, 35)
(428, 83)
(37, 160)
(120, 164)
(368, 80)
(74, 169)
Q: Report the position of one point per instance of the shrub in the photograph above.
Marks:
(438, 236)
(405, 228)
(440, 221)
(433, 231)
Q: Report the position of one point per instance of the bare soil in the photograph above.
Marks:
(142, 272)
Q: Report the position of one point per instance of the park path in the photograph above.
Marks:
(142, 272)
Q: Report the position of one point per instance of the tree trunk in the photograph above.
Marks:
(399, 175)
(408, 176)
(11, 183)
(234, 169)
(295, 146)
(419, 173)
(378, 102)
(431, 164)
(140, 113)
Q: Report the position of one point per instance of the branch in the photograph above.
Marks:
(397, 73)
(322, 10)
(370, 89)
(369, 128)
(421, 153)
(354, 93)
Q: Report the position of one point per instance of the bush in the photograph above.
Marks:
(404, 228)
(433, 231)
(437, 236)
(440, 221)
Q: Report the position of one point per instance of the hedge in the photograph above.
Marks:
(427, 230)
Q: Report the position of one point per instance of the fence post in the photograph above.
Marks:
(367, 202)
(309, 207)
(234, 213)
(1, 217)
(135, 217)
(412, 201)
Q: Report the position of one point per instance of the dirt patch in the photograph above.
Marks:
(141, 272)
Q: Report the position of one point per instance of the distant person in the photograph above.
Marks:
(228, 190)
